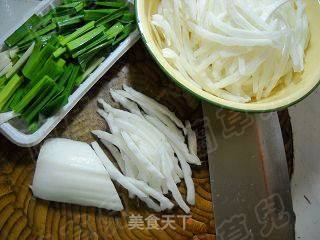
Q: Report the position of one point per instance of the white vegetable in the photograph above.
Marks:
(21, 61)
(134, 186)
(225, 46)
(70, 171)
(150, 148)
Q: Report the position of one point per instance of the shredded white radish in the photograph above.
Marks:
(133, 185)
(152, 147)
(225, 46)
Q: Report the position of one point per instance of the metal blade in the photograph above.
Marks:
(249, 176)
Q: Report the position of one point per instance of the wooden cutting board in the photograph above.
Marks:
(24, 217)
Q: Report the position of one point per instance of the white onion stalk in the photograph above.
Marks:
(70, 171)
(20, 62)
(223, 47)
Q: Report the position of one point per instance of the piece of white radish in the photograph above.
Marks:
(70, 171)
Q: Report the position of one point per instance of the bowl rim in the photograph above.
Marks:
(202, 98)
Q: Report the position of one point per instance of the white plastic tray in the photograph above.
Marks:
(16, 135)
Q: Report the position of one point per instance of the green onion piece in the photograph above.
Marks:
(72, 80)
(22, 31)
(39, 33)
(125, 33)
(111, 4)
(29, 117)
(37, 60)
(90, 69)
(114, 30)
(128, 17)
(3, 80)
(96, 14)
(95, 43)
(69, 22)
(66, 75)
(34, 92)
(9, 89)
(59, 52)
(54, 105)
(77, 33)
(51, 68)
(6, 107)
(17, 97)
(84, 39)
(118, 13)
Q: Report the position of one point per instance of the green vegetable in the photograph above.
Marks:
(90, 69)
(69, 22)
(90, 15)
(37, 34)
(22, 31)
(111, 4)
(77, 33)
(84, 39)
(59, 52)
(34, 111)
(37, 60)
(71, 41)
(51, 68)
(9, 90)
(33, 93)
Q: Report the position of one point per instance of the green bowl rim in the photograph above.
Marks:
(206, 99)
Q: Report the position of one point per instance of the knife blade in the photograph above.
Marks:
(249, 176)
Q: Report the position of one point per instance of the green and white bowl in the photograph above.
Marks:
(282, 97)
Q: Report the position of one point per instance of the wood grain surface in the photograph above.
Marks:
(24, 217)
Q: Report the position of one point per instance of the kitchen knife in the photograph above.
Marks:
(249, 175)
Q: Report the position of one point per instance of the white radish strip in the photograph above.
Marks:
(165, 203)
(228, 41)
(5, 117)
(181, 145)
(151, 111)
(117, 155)
(142, 159)
(131, 106)
(21, 61)
(134, 159)
(114, 172)
(187, 177)
(164, 110)
(175, 193)
(241, 33)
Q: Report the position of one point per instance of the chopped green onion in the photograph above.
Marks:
(90, 69)
(84, 39)
(22, 31)
(33, 93)
(77, 33)
(9, 89)
(37, 60)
